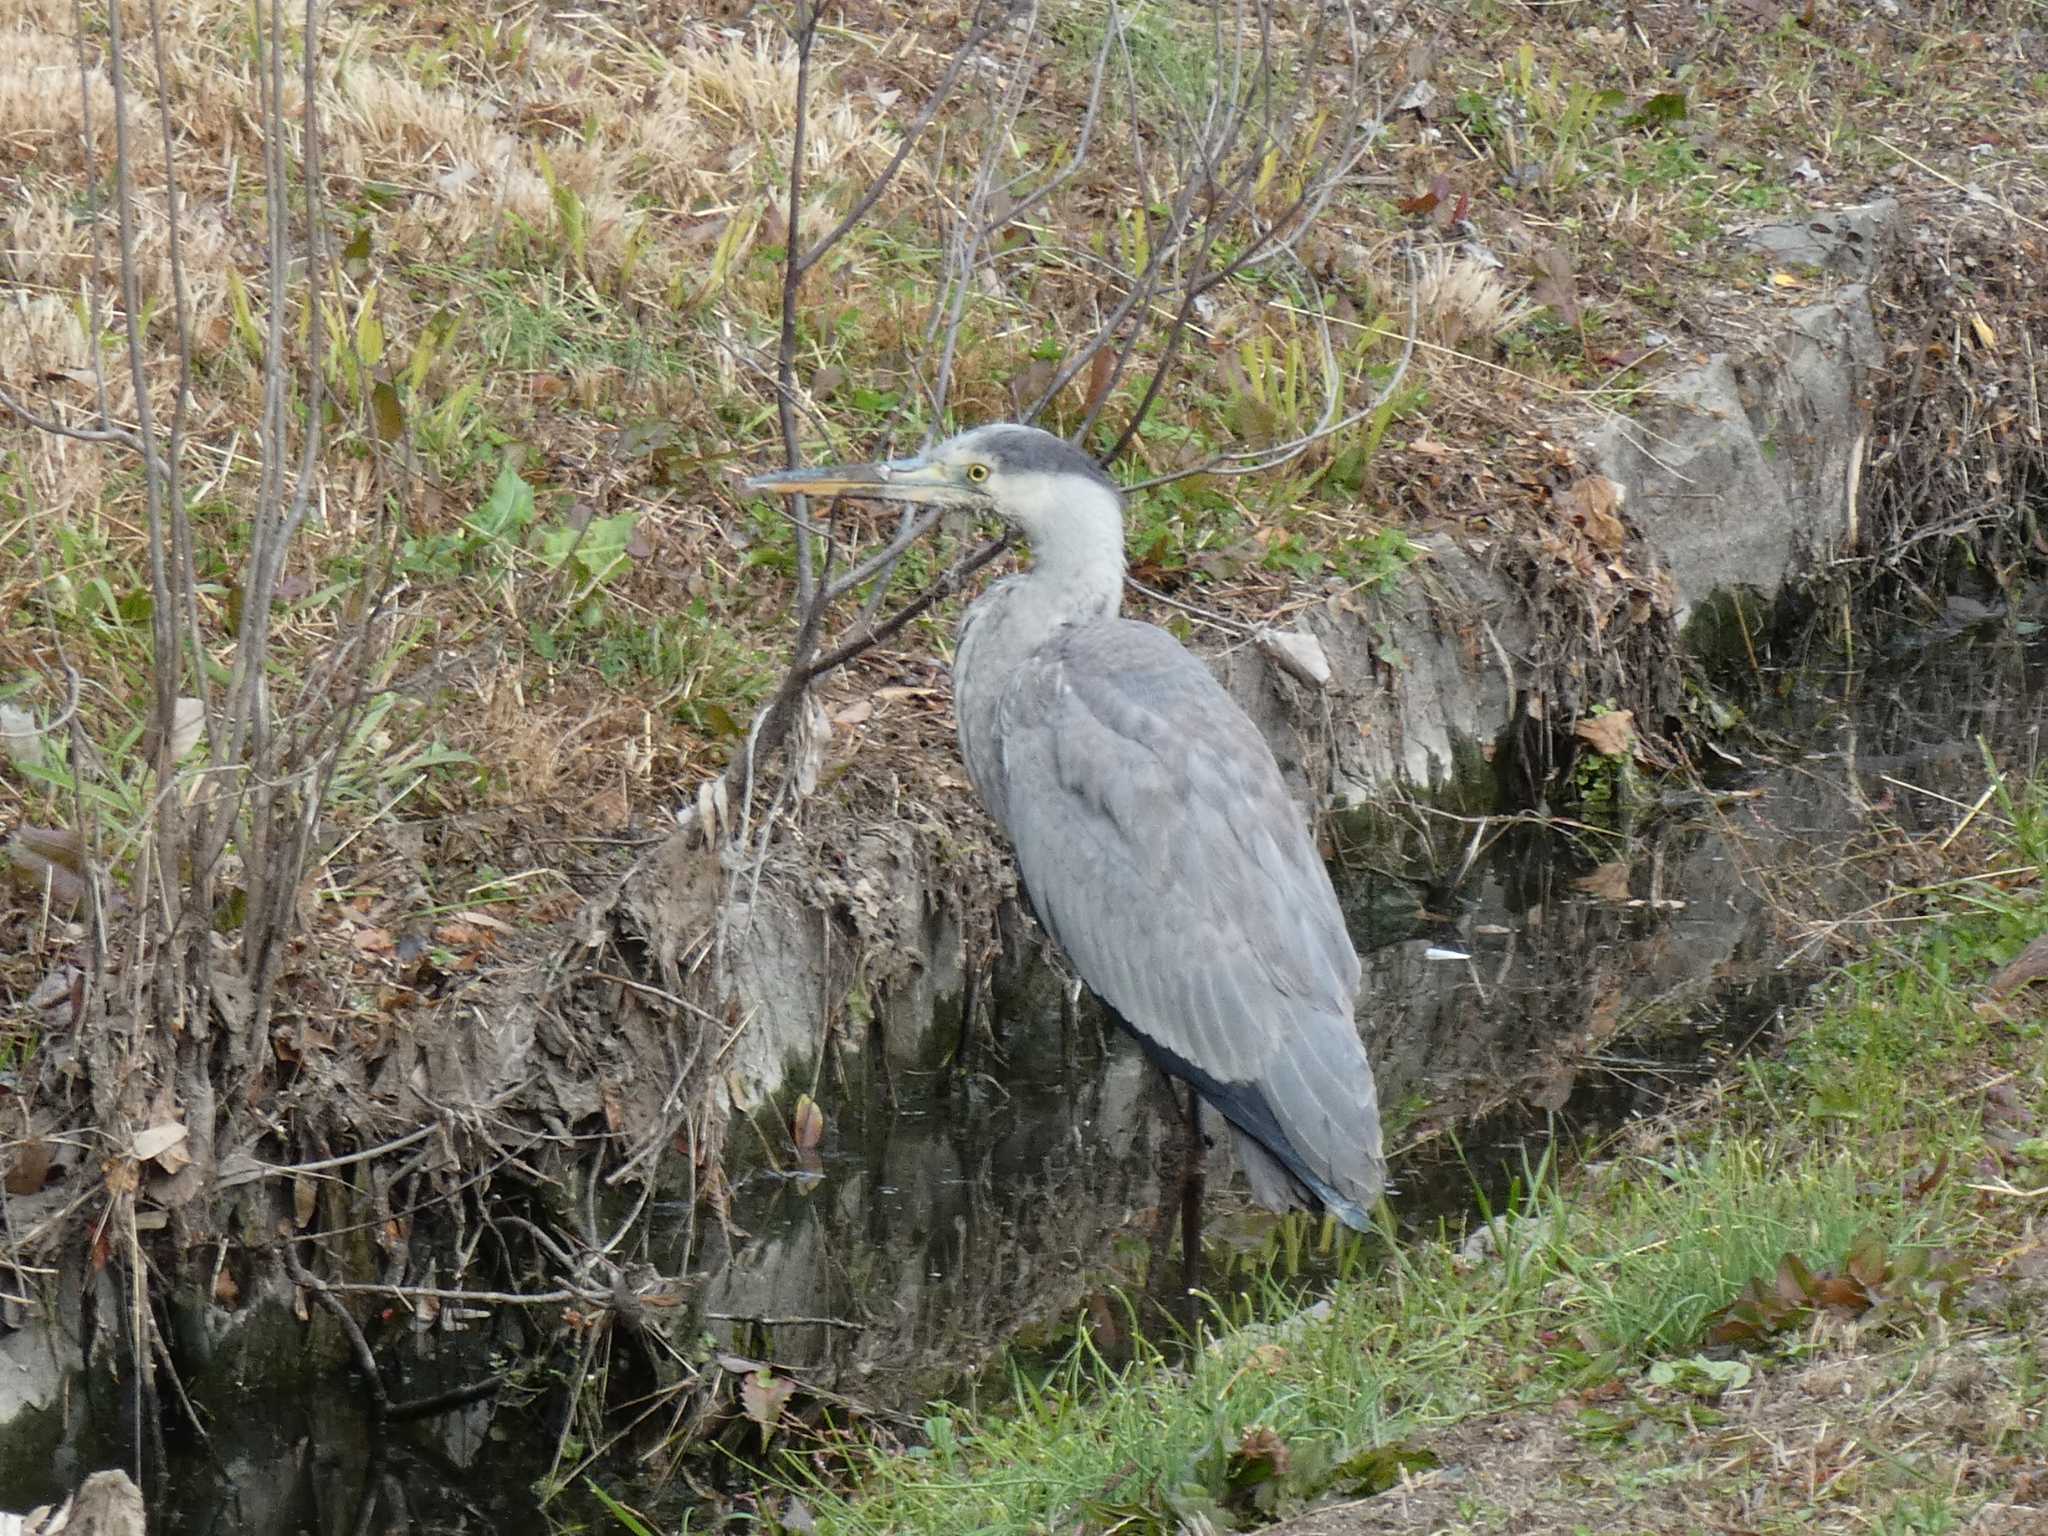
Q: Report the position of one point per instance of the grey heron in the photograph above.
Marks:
(1154, 834)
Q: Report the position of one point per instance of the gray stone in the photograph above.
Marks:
(1844, 240)
(1737, 471)
(31, 1380)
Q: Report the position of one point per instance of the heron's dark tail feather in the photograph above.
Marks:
(1279, 1188)
(1280, 1178)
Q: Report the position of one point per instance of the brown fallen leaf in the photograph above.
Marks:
(163, 1143)
(1033, 380)
(1556, 286)
(1261, 1455)
(1607, 883)
(1427, 202)
(29, 1170)
(122, 1175)
(1593, 505)
(806, 1124)
(613, 1102)
(1101, 371)
(1612, 734)
(764, 1395)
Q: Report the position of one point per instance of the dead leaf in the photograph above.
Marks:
(163, 1144)
(1866, 1263)
(1611, 735)
(764, 1395)
(1032, 381)
(2024, 969)
(21, 739)
(123, 1176)
(1297, 653)
(1607, 883)
(1270, 1359)
(1922, 1182)
(1261, 1458)
(1101, 371)
(855, 713)
(188, 724)
(806, 1124)
(481, 920)
(1795, 1282)
(1556, 286)
(305, 1200)
(1427, 202)
(1986, 337)
(1593, 505)
(30, 1169)
(47, 862)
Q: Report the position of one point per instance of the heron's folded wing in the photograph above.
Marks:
(1162, 851)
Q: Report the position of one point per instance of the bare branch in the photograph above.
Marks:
(976, 36)
(944, 587)
(796, 265)
(28, 418)
(806, 33)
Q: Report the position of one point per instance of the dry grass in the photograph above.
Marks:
(1461, 300)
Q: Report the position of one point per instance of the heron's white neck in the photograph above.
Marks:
(1077, 548)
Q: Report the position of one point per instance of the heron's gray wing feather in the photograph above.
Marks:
(1162, 851)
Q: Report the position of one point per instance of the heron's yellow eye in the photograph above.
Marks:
(977, 473)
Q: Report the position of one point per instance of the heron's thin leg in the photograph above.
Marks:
(970, 1004)
(1070, 1011)
(1191, 1182)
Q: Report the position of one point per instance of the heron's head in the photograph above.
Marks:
(1040, 484)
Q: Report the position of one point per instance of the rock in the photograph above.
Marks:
(1420, 678)
(1845, 241)
(1299, 655)
(106, 1504)
(32, 1377)
(1738, 471)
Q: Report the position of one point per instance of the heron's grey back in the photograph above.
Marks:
(1162, 852)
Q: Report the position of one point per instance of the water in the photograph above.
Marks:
(1528, 986)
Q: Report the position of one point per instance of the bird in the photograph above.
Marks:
(1152, 829)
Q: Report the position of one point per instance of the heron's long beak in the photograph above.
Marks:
(917, 479)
